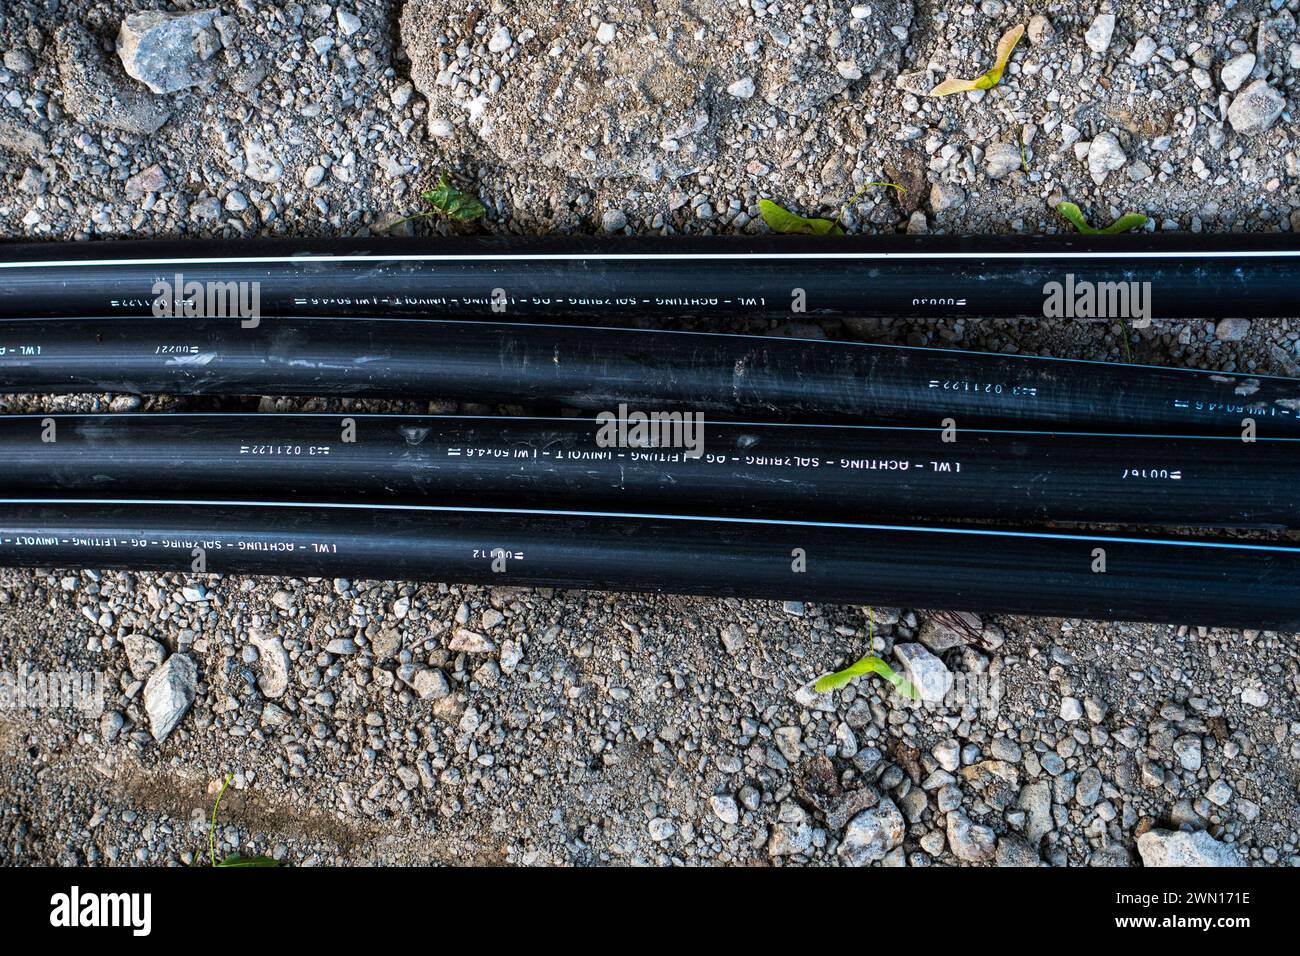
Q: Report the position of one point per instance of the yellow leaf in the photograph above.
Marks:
(1005, 46)
(951, 85)
(990, 79)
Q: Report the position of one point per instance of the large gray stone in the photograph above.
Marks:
(168, 694)
(792, 834)
(937, 633)
(143, 655)
(1256, 108)
(1036, 801)
(1104, 156)
(970, 841)
(1181, 848)
(929, 675)
(1015, 851)
(274, 660)
(872, 834)
(168, 51)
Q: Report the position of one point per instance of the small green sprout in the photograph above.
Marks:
(448, 201)
(780, 219)
(233, 859)
(1132, 220)
(1125, 223)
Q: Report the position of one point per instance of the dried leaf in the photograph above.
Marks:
(952, 85)
(990, 79)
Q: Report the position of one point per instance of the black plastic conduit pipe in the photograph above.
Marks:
(1165, 580)
(551, 366)
(1190, 275)
(765, 470)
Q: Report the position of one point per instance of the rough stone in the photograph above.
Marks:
(1104, 156)
(143, 655)
(1256, 108)
(1181, 848)
(1001, 159)
(168, 694)
(162, 50)
(970, 842)
(1099, 32)
(274, 659)
(929, 675)
(1013, 850)
(1036, 800)
(1236, 71)
(872, 834)
(792, 834)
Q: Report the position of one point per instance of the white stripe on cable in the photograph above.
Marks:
(307, 506)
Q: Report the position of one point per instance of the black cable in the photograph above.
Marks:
(764, 470)
(776, 276)
(552, 366)
(1106, 577)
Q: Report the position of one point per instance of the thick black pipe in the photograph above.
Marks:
(553, 366)
(764, 470)
(774, 276)
(1165, 580)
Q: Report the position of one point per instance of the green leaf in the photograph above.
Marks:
(455, 204)
(449, 201)
(780, 219)
(1125, 223)
(235, 860)
(991, 78)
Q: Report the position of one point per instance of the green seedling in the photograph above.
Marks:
(233, 859)
(780, 219)
(867, 665)
(985, 81)
(1125, 223)
(449, 202)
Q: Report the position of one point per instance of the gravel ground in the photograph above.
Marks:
(382, 722)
